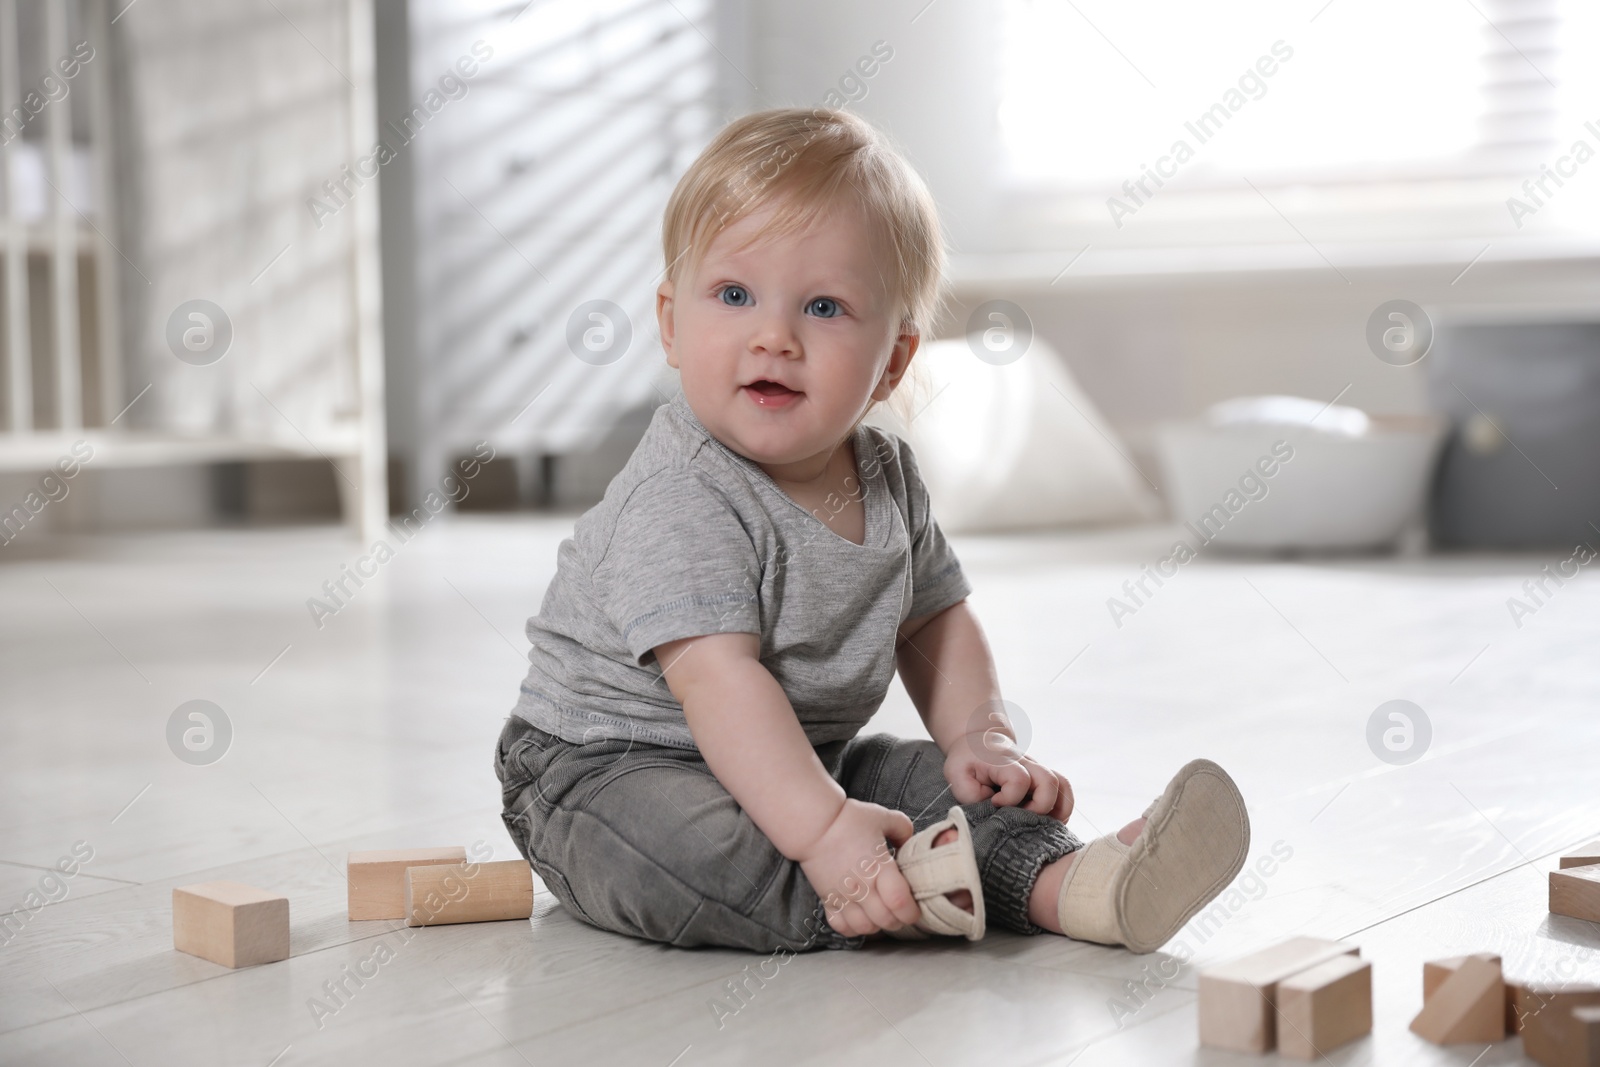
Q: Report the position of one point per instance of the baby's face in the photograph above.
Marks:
(809, 312)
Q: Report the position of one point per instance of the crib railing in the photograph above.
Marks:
(54, 184)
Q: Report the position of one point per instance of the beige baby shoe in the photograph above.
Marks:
(1194, 841)
(934, 871)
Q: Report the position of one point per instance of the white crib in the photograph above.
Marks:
(70, 371)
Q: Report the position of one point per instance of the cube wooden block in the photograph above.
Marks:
(1238, 999)
(468, 893)
(1469, 1006)
(1324, 1007)
(230, 923)
(1575, 891)
(1554, 1032)
(1582, 856)
(1434, 972)
(377, 879)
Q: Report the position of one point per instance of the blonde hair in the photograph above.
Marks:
(801, 160)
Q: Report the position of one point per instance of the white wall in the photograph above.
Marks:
(935, 97)
(538, 189)
(231, 120)
(1144, 348)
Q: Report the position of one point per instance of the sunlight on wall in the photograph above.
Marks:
(1092, 98)
(538, 194)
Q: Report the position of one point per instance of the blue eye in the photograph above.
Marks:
(740, 296)
(825, 307)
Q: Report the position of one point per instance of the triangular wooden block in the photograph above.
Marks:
(1582, 856)
(1469, 1006)
(1435, 972)
(1575, 891)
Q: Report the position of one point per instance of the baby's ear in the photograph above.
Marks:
(664, 319)
(905, 347)
(911, 339)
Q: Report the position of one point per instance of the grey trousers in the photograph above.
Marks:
(644, 840)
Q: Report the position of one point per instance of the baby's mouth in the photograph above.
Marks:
(766, 388)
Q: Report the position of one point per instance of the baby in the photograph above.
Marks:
(684, 763)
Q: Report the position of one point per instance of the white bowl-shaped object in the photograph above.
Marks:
(1287, 487)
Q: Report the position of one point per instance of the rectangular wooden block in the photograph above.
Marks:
(469, 893)
(377, 879)
(230, 923)
(1470, 1005)
(1324, 1007)
(1238, 999)
(1583, 856)
(1553, 1033)
(1576, 892)
(1434, 972)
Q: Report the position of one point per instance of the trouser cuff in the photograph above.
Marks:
(1014, 864)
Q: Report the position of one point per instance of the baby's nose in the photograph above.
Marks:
(775, 334)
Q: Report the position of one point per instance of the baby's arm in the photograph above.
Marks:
(948, 671)
(748, 733)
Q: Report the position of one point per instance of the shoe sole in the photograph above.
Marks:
(1198, 831)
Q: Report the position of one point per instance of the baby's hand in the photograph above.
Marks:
(854, 873)
(988, 766)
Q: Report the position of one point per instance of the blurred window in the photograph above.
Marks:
(1426, 113)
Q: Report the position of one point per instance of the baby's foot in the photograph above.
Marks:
(1139, 887)
(960, 898)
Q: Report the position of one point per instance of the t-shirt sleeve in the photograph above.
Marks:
(680, 563)
(937, 580)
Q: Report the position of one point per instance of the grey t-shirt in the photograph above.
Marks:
(692, 538)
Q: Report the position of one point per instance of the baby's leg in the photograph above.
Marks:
(1047, 890)
(1042, 901)
(1012, 845)
(643, 840)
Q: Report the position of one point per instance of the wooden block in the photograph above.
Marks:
(1434, 972)
(230, 923)
(1468, 1006)
(1324, 1007)
(1587, 1022)
(1576, 892)
(1553, 1031)
(1583, 856)
(469, 893)
(1238, 999)
(378, 879)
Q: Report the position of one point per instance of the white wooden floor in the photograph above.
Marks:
(377, 731)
